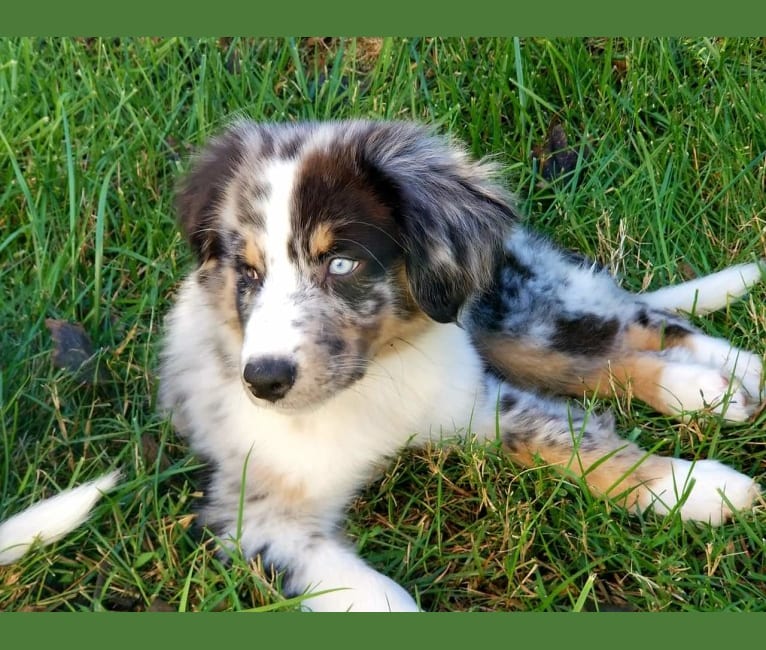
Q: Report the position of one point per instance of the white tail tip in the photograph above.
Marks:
(709, 293)
(49, 520)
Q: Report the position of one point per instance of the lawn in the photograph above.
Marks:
(665, 179)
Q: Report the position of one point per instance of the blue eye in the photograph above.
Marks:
(341, 266)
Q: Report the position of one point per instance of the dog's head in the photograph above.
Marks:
(320, 243)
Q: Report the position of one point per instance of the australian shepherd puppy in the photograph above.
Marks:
(361, 286)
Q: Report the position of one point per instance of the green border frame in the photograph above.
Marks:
(213, 631)
(392, 17)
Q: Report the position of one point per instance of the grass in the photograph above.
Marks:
(93, 133)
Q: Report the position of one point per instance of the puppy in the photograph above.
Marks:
(362, 286)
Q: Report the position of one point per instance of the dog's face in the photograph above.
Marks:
(320, 244)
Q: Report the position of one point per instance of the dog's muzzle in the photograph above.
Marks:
(270, 378)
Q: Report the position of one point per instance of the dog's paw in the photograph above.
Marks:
(372, 592)
(705, 491)
(687, 388)
(740, 366)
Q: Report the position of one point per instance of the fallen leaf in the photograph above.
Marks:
(555, 158)
(73, 351)
(150, 451)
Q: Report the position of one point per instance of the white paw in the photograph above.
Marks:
(370, 593)
(690, 387)
(746, 367)
(708, 491)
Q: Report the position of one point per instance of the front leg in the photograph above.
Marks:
(536, 428)
(303, 543)
(342, 582)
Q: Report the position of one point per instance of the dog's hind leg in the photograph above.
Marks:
(677, 369)
(655, 357)
(558, 323)
(537, 429)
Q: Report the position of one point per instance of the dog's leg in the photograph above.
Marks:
(302, 542)
(556, 322)
(534, 428)
(677, 369)
(686, 372)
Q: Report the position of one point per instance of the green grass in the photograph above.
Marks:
(93, 134)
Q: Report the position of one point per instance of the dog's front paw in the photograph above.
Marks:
(365, 592)
(705, 491)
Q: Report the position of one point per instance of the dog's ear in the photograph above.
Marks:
(200, 193)
(452, 214)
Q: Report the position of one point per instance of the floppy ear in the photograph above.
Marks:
(453, 216)
(200, 193)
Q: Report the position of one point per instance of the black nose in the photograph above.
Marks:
(270, 377)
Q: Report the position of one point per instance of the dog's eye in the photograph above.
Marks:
(249, 273)
(341, 266)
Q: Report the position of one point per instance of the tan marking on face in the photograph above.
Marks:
(227, 306)
(221, 282)
(208, 265)
(321, 240)
(253, 252)
(396, 329)
(410, 303)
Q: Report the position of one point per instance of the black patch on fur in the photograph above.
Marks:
(507, 403)
(490, 308)
(583, 261)
(642, 318)
(266, 141)
(586, 335)
(200, 192)
(493, 304)
(520, 270)
(671, 328)
(335, 191)
(291, 147)
(675, 331)
(442, 290)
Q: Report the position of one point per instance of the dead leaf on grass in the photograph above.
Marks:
(555, 158)
(73, 351)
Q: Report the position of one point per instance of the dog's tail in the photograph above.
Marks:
(709, 293)
(49, 520)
